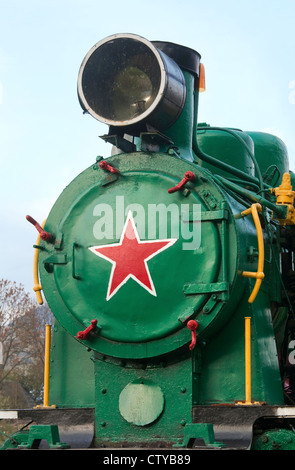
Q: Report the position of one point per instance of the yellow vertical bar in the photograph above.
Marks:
(248, 359)
(37, 286)
(47, 365)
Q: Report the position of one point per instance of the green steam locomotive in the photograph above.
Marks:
(169, 269)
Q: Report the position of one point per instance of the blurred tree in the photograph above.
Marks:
(22, 331)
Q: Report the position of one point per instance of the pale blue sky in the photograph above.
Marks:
(247, 47)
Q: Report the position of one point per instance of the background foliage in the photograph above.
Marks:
(22, 337)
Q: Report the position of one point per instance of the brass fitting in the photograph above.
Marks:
(285, 196)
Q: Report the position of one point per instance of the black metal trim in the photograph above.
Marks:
(185, 57)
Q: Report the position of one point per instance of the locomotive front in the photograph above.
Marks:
(140, 240)
(144, 258)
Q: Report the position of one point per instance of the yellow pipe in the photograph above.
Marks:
(47, 365)
(46, 369)
(248, 398)
(259, 275)
(247, 211)
(37, 287)
(248, 360)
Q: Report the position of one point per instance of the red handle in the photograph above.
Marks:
(106, 166)
(44, 235)
(189, 176)
(192, 325)
(85, 333)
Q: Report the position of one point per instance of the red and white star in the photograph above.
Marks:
(129, 258)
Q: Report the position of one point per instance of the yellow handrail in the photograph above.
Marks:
(248, 392)
(46, 369)
(47, 365)
(248, 360)
(37, 286)
(259, 275)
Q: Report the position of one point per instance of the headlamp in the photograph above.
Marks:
(125, 80)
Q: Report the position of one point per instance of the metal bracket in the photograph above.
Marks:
(202, 431)
(152, 141)
(56, 258)
(58, 240)
(205, 288)
(120, 142)
(75, 247)
(222, 287)
(204, 216)
(49, 433)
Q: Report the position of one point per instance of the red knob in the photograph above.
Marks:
(44, 235)
(189, 176)
(192, 325)
(83, 334)
(106, 166)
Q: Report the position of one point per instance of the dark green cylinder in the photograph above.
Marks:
(271, 155)
(225, 147)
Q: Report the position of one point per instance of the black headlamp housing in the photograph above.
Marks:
(132, 84)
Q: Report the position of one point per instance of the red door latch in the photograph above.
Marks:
(189, 176)
(106, 166)
(192, 325)
(84, 334)
(44, 235)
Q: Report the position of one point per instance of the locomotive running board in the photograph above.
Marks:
(234, 424)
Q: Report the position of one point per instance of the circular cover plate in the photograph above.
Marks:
(141, 403)
(129, 252)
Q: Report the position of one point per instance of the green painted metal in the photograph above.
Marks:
(141, 402)
(219, 366)
(76, 289)
(31, 438)
(49, 433)
(182, 141)
(71, 372)
(203, 433)
(227, 148)
(18, 438)
(272, 155)
(169, 382)
(275, 439)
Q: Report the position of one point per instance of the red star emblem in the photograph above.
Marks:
(129, 258)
